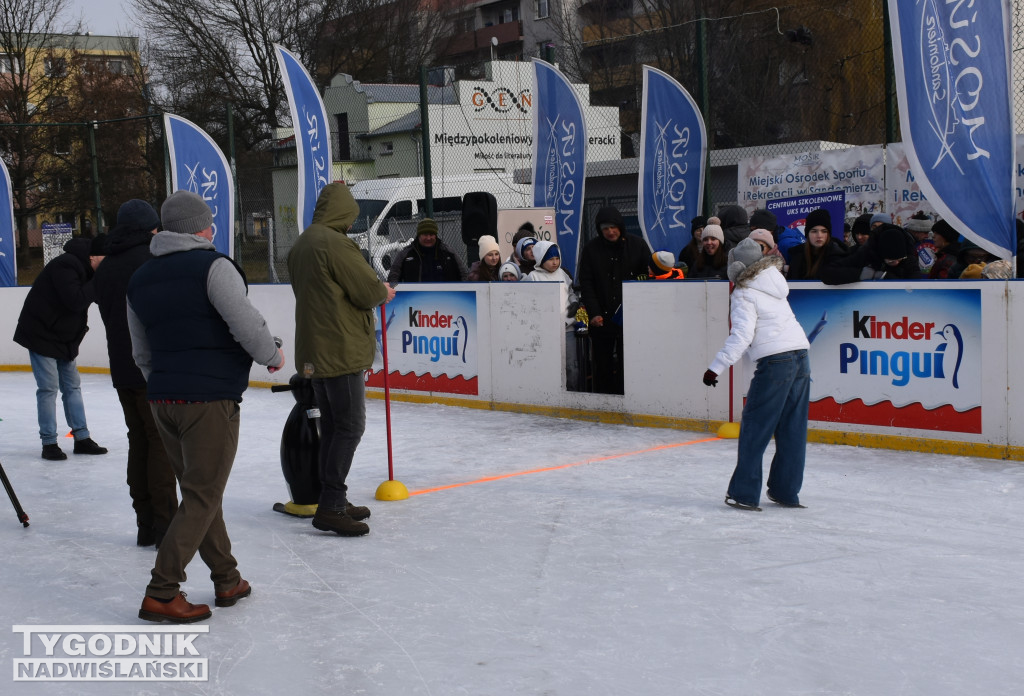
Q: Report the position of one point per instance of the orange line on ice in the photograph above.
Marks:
(561, 466)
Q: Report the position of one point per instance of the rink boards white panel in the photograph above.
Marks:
(673, 329)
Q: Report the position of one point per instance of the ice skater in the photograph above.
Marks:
(763, 325)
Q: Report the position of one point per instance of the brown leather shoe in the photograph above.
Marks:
(178, 610)
(239, 591)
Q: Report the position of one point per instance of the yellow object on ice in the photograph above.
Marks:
(392, 490)
(729, 431)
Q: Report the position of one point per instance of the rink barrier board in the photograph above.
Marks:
(672, 332)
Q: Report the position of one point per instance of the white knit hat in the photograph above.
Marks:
(713, 231)
(487, 244)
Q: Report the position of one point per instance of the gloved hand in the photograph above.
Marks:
(868, 273)
(710, 378)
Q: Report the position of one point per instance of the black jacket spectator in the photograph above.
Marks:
(868, 261)
(54, 318)
(604, 265)
(804, 264)
(126, 252)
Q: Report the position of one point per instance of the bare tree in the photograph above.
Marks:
(31, 33)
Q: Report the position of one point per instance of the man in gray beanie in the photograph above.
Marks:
(195, 336)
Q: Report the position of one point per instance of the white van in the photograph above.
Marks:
(389, 210)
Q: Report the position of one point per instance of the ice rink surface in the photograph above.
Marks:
(610, 567)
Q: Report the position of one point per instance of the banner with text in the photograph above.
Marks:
(673, 151)
(792, 212)
(952, 69)
(8, 272)
(858, 172)
(433, 343)
(312, 133)
(198, 165)
(900, 358)
(559, 156)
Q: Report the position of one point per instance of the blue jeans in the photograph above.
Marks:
(51, 374)
(777, 403)
(342, 404)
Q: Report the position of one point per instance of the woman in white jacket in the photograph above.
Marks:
(763, 326)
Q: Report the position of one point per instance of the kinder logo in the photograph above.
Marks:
(934, 362)
(110, 653)
(502, 100)
(449, 335)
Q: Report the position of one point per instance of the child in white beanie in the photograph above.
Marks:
(549, 268)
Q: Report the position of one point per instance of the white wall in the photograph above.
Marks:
(673, 330)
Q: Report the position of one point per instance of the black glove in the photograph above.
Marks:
(710, 378)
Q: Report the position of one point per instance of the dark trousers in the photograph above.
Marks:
(201, 440)
(150, 476)
(342, 404)
(606, 345)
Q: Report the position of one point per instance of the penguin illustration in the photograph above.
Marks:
(951, 333)
(463, 327)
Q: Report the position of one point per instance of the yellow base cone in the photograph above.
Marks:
(729, 431)
(392, 490)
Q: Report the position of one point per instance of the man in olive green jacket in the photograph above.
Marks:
(336, 293)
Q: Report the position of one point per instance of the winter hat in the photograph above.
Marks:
(997, 270)
(523, 244)
(661, 262)
(742, 256)
(509, 267)
(763, 219)
(946, 231)
(609, 215)
(892, 242)
(881, 217)
(714, 231)
(487, 244)
(426, 226)
(528, 228)
(763, 236)
(818, 217)
(918, 223)
(137, 215)
(185, 212)
(973, 272)
(698, 222)
(862, 225)
(98, 247)
(543, 251)
(733, 216)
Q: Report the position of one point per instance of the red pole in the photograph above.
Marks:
(387, 389)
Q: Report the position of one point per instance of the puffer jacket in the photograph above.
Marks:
(762, 321)
(54, 318)
(335, 291)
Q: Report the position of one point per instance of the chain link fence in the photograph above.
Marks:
(779, 81)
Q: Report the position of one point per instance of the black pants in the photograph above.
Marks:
(606, 343)
(342, 404)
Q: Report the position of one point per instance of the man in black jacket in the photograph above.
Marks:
(889, 254)
(151, 482)
(426, 260)
(52, 325)
(607, 260)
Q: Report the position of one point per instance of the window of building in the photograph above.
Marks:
(343, 152)
(55, 67)
(62, 143)
(387, 147)
(8, 63)
(541, 9)
(56, 103)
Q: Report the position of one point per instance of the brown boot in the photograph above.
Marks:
(178, 610)
(230, 597)
(338, 522)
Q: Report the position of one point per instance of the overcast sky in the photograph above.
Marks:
(103, 16)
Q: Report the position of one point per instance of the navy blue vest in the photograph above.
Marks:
(194, 356)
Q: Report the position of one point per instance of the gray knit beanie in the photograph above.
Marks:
(186, 213)
(742, 256)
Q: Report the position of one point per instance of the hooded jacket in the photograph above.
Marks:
(604, 265)
(838, 269)
(335, 291)
(763, 323)
(128, 250)
(734, 224)
(54, 318)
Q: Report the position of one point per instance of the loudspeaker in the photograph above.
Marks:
(479, 216)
